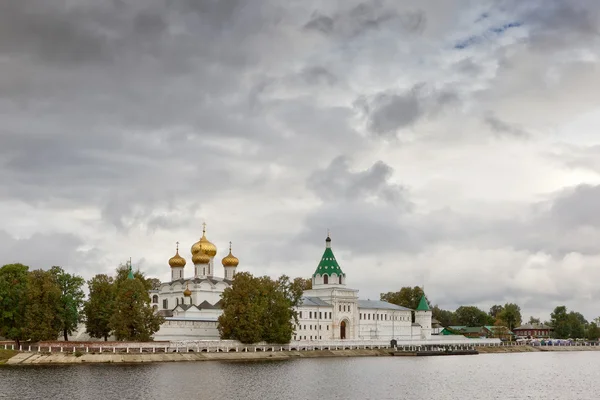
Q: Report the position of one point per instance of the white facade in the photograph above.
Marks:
(329, 311)
(332, 311)
(191, 306)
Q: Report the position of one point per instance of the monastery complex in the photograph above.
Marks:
(329, 311)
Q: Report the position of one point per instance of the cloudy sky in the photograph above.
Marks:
(453, 143)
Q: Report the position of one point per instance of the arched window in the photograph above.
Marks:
(165, 304)
(326, 279)
(155, 298)
(176, 302)
(340, 279)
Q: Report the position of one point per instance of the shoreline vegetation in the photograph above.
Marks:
(9, 357)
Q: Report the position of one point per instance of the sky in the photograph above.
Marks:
(450, 144)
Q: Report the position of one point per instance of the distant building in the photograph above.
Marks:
(486, 331)
(534, 330)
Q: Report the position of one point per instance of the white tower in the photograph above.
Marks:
(201, 264)
(230, 263)
(203, 252)
(177, 263)
(328, 271)
(423, 318)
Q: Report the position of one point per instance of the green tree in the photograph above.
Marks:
(133, 318)
(99, 307)
(445, 317)
(534, 321)
(259, 309)
(42, 315)
(560, 322)
(407, 296)
(577, 324)
(123, 272)
(71, 299)
(500, 330)
(495, 310)
(511, 315)
(281, 315)
(243, 304)
(593, 332)
(155, 283)
(472, 316)
(13, 291)
(305, 284)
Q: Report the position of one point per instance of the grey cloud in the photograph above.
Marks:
(502, 128)
(318, 75)
(577, 207)
(364, 17)
(361, 208)
(338, 183)
(44, 250)
(388, 112)
(563, 23)
(320, 23)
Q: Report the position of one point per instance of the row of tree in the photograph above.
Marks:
(43, 304)
(565, 324)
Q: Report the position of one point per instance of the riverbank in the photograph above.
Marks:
(69, 358)
(529, 349)
(26, 358)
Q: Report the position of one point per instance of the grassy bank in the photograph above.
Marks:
(6, 354)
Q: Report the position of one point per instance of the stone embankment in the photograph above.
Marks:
(89, 358)
(37, 358)
(529, 349)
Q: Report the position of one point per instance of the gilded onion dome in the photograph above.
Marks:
(230, 260)
(204, 245)
(200, 258)
(177, 260)
(187, 292)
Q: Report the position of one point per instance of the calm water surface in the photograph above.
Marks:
(486, 376)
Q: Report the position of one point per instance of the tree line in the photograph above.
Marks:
(38, 305)
(565, 324)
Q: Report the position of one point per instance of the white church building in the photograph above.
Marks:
(329, 311)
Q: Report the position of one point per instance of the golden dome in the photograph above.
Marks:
(187, 292)
(177, 260)
(200, 258)
(230, 260)
(204, 246)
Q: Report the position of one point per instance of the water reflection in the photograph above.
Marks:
(497, 376)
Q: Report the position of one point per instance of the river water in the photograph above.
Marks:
(555, 375)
